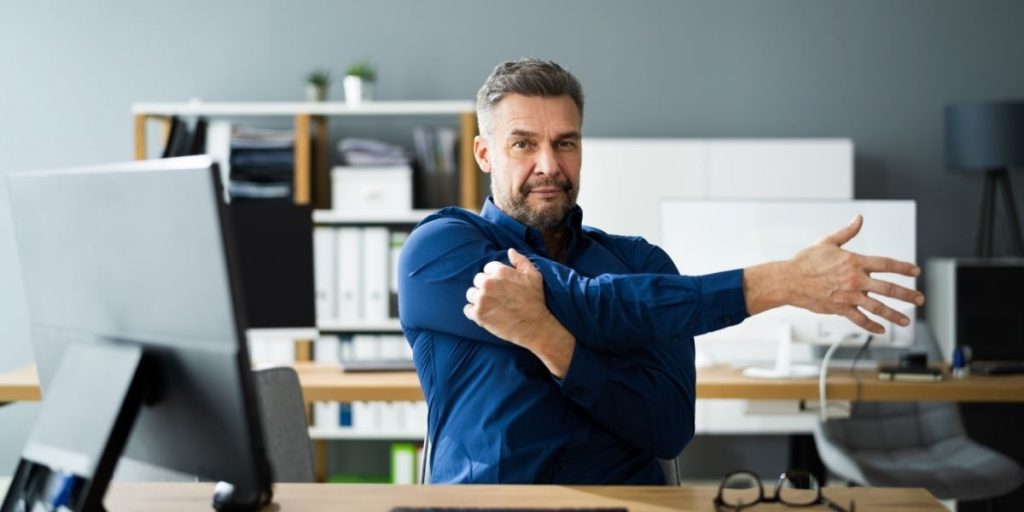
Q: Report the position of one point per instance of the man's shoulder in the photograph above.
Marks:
(447, 219)
(444, 228)
(605, 238)
(634, 250)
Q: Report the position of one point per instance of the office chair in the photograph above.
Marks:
(671, 469)
(914, 444)
(286, 433)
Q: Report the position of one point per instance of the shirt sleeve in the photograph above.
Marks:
(610, 312)
(617, 312)
(646, 398)
(436, 266)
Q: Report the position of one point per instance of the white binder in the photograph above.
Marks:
(350, 273)
(376, 261)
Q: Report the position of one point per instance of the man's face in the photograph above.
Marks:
(533, 155)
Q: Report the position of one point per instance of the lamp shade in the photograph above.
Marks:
(985, 135)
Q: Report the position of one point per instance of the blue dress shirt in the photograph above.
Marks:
(496, 415)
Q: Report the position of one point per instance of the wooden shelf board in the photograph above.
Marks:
(327, 108)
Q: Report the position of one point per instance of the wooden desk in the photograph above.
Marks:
(324, 383)
(21, 384)
(176, 497)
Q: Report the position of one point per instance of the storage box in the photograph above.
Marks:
(384, 189)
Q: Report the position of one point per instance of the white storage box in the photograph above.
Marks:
(384, 189)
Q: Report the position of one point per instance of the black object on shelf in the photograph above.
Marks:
(275, 253)
(988, 137)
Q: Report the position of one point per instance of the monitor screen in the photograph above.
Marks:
(705, 236)
(140, 254)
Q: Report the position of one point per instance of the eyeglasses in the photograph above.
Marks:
(796, 488)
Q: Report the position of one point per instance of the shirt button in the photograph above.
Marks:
(727, 320)
(576, 392)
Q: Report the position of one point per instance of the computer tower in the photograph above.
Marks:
(977, 302)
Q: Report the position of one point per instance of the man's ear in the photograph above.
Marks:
(480, 151)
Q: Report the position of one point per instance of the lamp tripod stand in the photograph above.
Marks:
(997, 179)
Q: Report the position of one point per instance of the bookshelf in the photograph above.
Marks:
(310, 122)
(311, 186)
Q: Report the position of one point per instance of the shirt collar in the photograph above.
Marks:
(573, 221)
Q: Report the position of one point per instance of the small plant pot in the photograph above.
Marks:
(357, 90)
(316, 92)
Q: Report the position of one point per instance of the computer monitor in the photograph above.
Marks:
(705, 236)
(138, 331)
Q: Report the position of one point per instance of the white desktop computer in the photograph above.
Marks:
(705, 236)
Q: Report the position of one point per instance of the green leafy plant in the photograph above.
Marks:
(319, 77)
(362, 69)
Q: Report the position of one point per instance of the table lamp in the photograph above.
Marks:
(988, 137)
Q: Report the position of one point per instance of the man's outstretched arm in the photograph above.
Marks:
(508, 301)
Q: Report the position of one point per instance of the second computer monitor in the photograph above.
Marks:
(705, 236)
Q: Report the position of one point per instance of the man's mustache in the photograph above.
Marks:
(561, 183)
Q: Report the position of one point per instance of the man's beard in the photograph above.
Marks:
(550, 214)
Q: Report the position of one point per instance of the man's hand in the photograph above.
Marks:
(824, 278)
(509, 303)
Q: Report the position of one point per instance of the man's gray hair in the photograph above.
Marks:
(528, 77)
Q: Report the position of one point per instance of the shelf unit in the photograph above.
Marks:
(390, 325)
(340, 434)
(310, 122)
(311, 185)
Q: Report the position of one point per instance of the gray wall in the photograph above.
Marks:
(876, 71)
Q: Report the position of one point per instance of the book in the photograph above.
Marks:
(403, 463)
(925, 374)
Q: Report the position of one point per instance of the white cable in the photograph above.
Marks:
(823, 376)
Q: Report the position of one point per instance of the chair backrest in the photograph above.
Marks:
(892, 425)
(671, 469)
(286, 433)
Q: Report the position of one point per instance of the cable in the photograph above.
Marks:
(853, 366)
(823, 373)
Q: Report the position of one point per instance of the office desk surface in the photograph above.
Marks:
(21, 384)
(313, 497)
(320, 382)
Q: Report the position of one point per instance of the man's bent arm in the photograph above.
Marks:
(608, 313)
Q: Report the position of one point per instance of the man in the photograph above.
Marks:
(550, 352)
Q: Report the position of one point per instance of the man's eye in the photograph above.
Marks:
(520, 144)
(567, 144)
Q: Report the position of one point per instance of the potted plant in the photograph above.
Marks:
(317, 83)
(358, 82)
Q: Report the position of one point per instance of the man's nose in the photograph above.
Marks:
(546, 161)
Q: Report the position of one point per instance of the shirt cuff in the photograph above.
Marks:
(587, 375)
(722, 296)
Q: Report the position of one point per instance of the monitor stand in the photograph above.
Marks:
(82, 428)
(84, 423)
(784, 367)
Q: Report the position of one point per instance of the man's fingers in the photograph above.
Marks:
(520, 262)
(862, 320)
(889, 265)
(878, 308)
(470, 311)
(846, 233)
(472, 294)
(493, 267)
(478, 279)
(887, 289)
